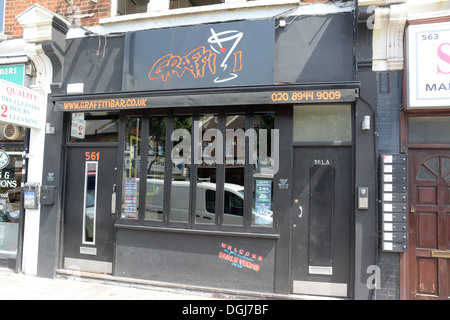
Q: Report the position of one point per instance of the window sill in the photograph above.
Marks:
(273, 236)
(217, 8)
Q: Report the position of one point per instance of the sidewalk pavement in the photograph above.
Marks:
(16, 286)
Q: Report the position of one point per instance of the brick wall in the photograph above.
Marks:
(90, 12)
(389, 101)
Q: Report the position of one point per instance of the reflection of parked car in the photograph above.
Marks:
(205, 204)
(89, 212)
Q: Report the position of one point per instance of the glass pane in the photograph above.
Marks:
(425, 174)
(94, 127)
(234, 170)
(206, 174)
(181, 169)
(131, 7)
(433, 165)
(131, 174)
(11, 176)
(264, 169)
(155, 169)
(90, 196)
(322, 123)
(445, 163)
(175, 4)
(429, 129)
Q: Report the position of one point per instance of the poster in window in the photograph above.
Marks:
(263, 201)
(130, 199)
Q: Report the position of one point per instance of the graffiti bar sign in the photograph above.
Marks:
(225, 54)
(429, 65)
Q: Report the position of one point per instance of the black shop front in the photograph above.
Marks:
(218, 155)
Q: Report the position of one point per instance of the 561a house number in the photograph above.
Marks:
(322, 162)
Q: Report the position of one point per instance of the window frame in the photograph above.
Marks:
(2, 16)
(115, 6)
(191, 224)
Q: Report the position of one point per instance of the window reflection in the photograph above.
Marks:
(234, 170)
(155, 169)
(90, 196)
(98, 127)
(206, 174)
(131, 174)
(11, 175)
(201, 145)
(263, 170)
(181, 171)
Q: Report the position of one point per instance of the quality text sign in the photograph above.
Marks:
(21, 106)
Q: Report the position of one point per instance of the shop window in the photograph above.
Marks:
(94, 127)
(131, 167)
(181, 170)
(11, 178)
(207, 151)
(156, 169)
(322, 123)
(264, 170)
(201, 182)
(234, 170)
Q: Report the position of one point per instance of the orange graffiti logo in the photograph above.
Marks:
(200, 60)
(195, 62)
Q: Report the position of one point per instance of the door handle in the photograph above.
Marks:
(300, 215)
(113, 200)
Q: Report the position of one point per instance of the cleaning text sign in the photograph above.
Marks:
(21, 106)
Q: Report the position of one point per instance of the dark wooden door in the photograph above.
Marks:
(429, 224)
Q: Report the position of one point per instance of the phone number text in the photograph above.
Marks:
(306, 96)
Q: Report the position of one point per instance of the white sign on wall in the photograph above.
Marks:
(78, 128)
(22, 106)
(429, 66)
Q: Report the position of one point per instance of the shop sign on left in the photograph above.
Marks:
(21, 106)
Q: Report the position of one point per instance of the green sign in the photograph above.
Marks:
(13, 73)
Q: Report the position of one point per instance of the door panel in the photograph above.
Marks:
(88, 222)
(321, 218)
(429, 176)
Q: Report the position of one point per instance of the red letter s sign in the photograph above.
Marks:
(445, 58)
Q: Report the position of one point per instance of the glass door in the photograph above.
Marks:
(11, 177)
